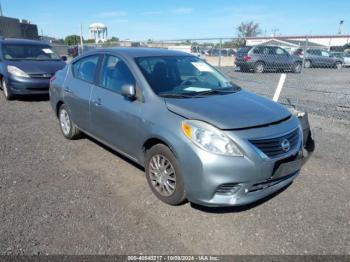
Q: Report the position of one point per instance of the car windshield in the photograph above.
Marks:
(28, 52)
(185, 76)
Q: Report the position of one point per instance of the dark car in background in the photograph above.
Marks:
(263, 58)
(319, 58)
(26, 67)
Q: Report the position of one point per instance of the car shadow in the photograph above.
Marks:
(117, 154)
(32, 98)
(238, 209)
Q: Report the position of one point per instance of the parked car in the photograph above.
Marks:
(319, 58)
(344, 56)
(199, 136)
(262, 58)
(26, 67)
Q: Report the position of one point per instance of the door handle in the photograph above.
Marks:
(98, 102)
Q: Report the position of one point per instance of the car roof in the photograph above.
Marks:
(22, 41)
(135, 52)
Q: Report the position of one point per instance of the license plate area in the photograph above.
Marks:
(287, 166)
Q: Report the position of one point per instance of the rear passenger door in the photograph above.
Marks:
(78, 87)
(116, 119)
(283, 59)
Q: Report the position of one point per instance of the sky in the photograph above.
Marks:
(181, 19)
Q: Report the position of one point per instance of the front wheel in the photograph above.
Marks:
(296, 68)
(68, 128)
(164, 175)
(7, 91)
(307, 64)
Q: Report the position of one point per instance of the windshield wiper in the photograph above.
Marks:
(174, 95)
(216, 92)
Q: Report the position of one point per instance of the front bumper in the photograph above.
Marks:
(251, 177)
(26, 86)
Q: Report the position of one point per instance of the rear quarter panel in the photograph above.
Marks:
(56, 87)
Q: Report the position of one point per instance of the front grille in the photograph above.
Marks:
(227, 189)
(273, 148)
(46, 76)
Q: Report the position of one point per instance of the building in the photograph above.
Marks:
(292, 45)
(326, 41)
(16, 28)
(98, 32)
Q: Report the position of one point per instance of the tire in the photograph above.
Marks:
(296, 67)
(307, 64)
(7, 91)
(167, 186)
(68, 128)
(338, 65)
(259, 67)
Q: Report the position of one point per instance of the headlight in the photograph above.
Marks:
(210, 138)
(16, 71)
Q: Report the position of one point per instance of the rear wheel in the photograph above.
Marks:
(7, 91)
(338, 65)
(164, 175)
(296, 68)
(259, 67)
(307, 64)
(68, 128)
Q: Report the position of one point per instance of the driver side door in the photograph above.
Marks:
(115, 119)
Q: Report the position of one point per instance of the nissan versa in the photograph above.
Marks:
(26, 67)
(199, 136)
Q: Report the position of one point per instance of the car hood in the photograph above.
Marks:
(230, 111)
(38, 67)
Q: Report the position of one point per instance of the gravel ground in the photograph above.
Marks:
(78, 197)
(321, 91)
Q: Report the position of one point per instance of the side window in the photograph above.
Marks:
(280, 51)
(85, 68)
(324, 53)
(258, 50)
(115, 74)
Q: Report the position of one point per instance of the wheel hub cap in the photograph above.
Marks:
(65, 122)
(162, 175)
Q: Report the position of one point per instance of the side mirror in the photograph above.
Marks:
(64, 58)
(129, 91)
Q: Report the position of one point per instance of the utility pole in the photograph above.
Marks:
(341, 23)
(1, 13)
(81, 39)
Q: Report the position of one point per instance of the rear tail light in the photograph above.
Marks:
(247, 58)
(53, 78)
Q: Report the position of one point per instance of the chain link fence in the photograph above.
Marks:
(317, 75)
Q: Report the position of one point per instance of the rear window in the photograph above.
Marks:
(244, 50)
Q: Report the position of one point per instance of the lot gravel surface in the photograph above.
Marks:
(78, 197)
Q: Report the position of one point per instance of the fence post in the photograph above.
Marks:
(220, 52)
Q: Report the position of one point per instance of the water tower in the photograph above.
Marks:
(98, 32)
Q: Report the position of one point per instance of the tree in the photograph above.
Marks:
(114, 39)
(72, 40)
(248, 29)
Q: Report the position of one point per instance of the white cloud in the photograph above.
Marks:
(183, 10)
(112, 14)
